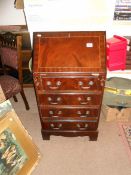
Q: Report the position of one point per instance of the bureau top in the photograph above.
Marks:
(69, 51)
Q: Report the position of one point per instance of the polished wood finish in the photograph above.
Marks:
(26, 56)
(69, 72)
(10, 40)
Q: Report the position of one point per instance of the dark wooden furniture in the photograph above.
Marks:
(69, 73)
(27, 74)
(26, 51)
(26, 56)
(11, 58)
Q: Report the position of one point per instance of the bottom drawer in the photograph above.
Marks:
(70, 125)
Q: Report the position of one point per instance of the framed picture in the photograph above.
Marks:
(18, 154)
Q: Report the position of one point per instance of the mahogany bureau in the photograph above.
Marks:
(69, 72)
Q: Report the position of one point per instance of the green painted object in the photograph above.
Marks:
(117, 92)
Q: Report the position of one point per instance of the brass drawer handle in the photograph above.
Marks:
(50, 100)
(91, 83)
(36, 81)
(82, 116)
(85, 115)
(58, 84)
(102, 81)
(85, 87)
(55, 116)
(82, 128)
(81, 85)
(53, 126)
(52, 113)
(84, 102)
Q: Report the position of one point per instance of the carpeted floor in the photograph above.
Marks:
(76, 155)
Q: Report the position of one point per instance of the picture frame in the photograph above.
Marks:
(18, 154)
(4, 108)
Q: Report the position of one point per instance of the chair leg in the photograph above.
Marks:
(15, 99)
(24, 99)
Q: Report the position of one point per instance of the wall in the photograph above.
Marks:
(63, 15)
(77, 15)
(9, 15)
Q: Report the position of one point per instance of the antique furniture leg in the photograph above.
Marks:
(15, 99)
(93, 136)
(24, 99)
(45, 136)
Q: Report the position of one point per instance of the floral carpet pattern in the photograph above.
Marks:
(125, 131)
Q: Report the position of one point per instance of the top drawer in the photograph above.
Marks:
(69, 83)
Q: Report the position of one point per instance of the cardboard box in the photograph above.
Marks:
(112, 114)
(19, 4)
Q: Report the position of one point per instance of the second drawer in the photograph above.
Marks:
(69, 99)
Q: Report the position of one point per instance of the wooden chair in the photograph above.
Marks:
(11, 58)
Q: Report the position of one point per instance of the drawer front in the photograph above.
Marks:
(57, 113)
(89, 83)
(69, 99)
(72, 125)
(84, 83)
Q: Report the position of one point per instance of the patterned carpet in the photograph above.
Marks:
(125, 132)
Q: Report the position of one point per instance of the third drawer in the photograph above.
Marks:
(69, 112)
